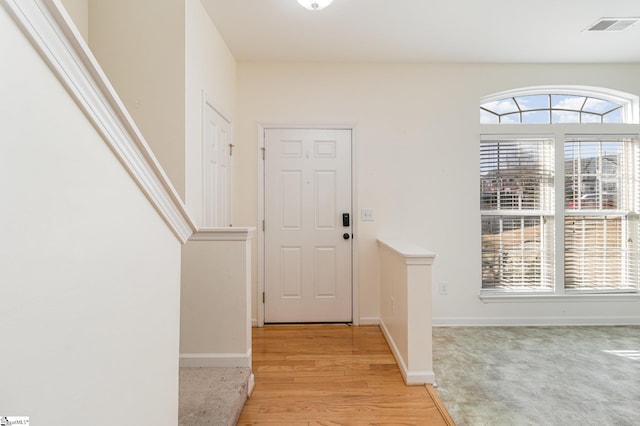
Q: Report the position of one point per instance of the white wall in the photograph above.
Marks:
(163, 58)
(141, 47)
(417, 153)
(79, 12)
(215, 317)
(210, 71)
(89, 271)
(405, 311)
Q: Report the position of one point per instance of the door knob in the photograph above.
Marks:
(345, 236)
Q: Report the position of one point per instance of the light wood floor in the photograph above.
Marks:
(332, 375)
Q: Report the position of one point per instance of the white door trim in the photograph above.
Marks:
(207, 101)
(354, 202)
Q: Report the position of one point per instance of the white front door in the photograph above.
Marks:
(308, 244)
(217, 151)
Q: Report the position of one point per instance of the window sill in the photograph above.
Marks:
(494, 297)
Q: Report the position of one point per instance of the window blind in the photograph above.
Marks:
(517, 253)
(598, 255)
(516, 206)
(601, 229)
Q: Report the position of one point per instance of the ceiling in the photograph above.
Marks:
(419, 31)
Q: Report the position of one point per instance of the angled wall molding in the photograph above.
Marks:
(59, 43)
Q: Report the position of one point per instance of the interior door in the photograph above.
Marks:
(217, 149)
(308, 226)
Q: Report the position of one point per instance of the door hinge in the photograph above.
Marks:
(263, 149)
(263, 297)
(231, 149)
(263, 226)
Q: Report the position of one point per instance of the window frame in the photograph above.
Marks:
(625, 208)
(543, 211)
(559, 133)
(630, 104)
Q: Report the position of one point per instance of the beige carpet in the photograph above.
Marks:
(539, 376)
(212, 396)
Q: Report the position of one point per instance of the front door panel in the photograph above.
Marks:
(308, 261)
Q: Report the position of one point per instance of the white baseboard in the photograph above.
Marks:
(420, 378)
(227, 360)
(537, 321)
(502, 321)
(363, 321)
(370, 321)
(410, 377)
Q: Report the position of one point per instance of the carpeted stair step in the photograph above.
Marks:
(212, 396)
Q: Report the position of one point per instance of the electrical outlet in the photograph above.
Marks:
(444, 288)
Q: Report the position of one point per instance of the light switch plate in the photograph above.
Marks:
(367, 214)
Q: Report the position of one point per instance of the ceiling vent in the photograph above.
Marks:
(612, 24)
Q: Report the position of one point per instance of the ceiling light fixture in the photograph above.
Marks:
(315, 4)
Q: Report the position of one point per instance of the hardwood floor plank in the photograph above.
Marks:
(438, 402)
(331, 375)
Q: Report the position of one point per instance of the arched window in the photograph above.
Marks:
(559, 105)
(560, 210)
